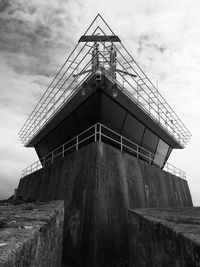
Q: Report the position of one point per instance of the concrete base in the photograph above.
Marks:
(99, 183)
(165, 237)
(31, 234)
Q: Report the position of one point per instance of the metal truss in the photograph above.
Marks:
(125, 73)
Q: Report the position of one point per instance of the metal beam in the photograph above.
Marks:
(100, 38)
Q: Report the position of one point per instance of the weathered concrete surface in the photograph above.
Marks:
(31, 234)
(165, 237)
(74, 180)
(99, 183)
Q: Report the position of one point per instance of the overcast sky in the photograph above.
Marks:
(36, 36)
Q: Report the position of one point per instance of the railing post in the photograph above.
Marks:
(76, 143)
(99, 132)
(63, 152)
(52, 157)
(95, 132)
(137, 152)
(149, 158)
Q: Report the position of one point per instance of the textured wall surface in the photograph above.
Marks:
(99, 183)
(165, 237)
(31, 234)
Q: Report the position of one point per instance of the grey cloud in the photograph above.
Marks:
(146, 41)
(32, 38)
(4, 5)
(7, 185)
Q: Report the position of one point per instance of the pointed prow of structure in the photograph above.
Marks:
(100, 53)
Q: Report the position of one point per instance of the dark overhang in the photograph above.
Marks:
(104, 88)
(99, 38)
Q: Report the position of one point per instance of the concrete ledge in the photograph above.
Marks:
(31, 234)
(165, 237)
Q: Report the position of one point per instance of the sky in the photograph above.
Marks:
(36, 36)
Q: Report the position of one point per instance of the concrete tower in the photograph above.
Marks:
(103, 135)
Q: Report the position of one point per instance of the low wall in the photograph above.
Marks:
(99, 184)
(31, 234)
(164, 237)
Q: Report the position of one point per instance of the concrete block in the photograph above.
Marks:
(31, 234)
(164, 237)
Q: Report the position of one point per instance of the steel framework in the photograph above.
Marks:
(129, 77)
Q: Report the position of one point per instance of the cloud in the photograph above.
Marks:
(31, 32)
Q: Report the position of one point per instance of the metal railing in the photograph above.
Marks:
(101, 133)
(139, 89)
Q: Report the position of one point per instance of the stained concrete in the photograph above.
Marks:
(165, 237)
(31, 234)
(99, 183)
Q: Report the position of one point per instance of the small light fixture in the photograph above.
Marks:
(115, 90)
(98, 75)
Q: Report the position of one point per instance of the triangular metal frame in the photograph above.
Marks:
(104, 26)
(130, 78)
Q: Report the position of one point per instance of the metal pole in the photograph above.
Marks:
(76, 143)
(52, 157)
(95, 132)
(99, 132)
(63, 152)
(121, 142)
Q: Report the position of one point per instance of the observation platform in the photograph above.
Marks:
(100, 82)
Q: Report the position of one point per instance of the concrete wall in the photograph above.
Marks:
(99, 183)
(74, 180)
(31, 234)
(164, 237)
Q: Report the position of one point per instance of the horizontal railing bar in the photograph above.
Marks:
(98, 128)
(124, 138)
